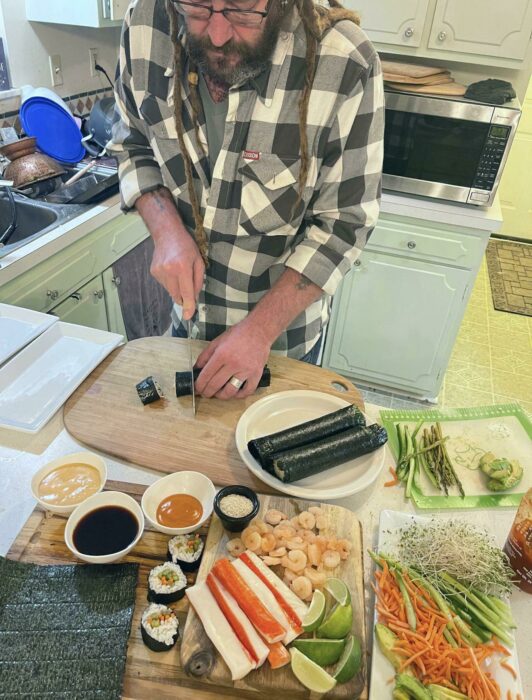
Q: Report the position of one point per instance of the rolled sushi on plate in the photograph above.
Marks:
(166, 583)
(159, 627)
(186, 551)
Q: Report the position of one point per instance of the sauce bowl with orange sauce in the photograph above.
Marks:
(66, 482)
(179, 503)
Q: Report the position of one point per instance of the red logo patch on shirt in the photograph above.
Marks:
(251, 155)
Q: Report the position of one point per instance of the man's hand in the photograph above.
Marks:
(241, 352)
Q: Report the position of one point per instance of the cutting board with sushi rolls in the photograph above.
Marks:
(150, 674)
(105, 412)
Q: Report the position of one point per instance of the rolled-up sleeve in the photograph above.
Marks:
(345, 206)
(138, 169)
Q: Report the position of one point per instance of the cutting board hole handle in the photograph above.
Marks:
(338, 386)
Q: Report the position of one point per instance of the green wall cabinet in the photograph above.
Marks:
(86, 306)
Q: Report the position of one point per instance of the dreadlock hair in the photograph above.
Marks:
(316, 20)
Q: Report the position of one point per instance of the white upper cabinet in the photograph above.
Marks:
(79, 13)
(392, 22)
(481, 27)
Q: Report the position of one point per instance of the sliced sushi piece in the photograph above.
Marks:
(166, 583)
(186, 551)
(159, 627)
(316, 457)
(219, 631)
(149, 390)
(263, 448)
(183, 380)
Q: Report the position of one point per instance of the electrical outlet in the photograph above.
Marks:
(93, 60)
(56, 70)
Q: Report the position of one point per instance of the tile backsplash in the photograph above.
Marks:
(80, 104)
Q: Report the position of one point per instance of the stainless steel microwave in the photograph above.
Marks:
(446, 148)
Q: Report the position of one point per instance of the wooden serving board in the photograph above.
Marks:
(105, 412)
(282, 681)
(148, 674)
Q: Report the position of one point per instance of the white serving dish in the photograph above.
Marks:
(390, 525)
(35, 383)
(106, 498)
(191, 483)
(19, 326)
(89, 458)
(287, 408)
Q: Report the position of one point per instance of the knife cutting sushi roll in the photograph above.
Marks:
(149, 390)
(263, 448)
(159, 627)
(186, 551)
(183, 382)
(166, 583)
(318, 456)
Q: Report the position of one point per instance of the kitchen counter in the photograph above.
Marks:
(22, 454)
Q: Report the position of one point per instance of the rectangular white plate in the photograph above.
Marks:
(18, 327)
(391, 522)
(35, 383)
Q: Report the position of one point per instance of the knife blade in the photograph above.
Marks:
(191, 365)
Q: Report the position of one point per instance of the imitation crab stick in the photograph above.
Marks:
(278, 656)
(293, 606)
(267, 598)
(240, 624)
(219, 631)
(261, 618)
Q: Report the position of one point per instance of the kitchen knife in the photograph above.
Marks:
(191, 365)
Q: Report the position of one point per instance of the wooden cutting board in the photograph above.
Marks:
(282, 681)
(438, 79)
(149, 675)
(410, 70)
(105, 412)
(452, 89)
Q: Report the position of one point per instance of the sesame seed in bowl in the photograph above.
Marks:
(236, 506)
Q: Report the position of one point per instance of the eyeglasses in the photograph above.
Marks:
(244, 18)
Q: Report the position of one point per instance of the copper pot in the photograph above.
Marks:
(31, 168)
(17, 149)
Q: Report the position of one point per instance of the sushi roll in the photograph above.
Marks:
(159, 627)
(183, 380)
(149, 391)
(166, 583)
(186, 550)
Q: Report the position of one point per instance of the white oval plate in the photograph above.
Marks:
(287, 408)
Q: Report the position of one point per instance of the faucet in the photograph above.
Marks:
(6, 235)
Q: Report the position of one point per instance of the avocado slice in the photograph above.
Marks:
(412, 686)
(386, 640)
(439, 692)
(507, 482)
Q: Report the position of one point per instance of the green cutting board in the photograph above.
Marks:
(504, 430)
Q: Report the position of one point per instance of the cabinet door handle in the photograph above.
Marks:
(76, 296)
(442, 36)
(116, 280)
(53, 294)
(358, 263)
(411, 245)
(409, 32)
(98, 294)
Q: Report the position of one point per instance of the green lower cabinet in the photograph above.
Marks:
(86, 306)
(111, 282)
(394, 322)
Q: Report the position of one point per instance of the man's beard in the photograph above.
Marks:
(252, 59)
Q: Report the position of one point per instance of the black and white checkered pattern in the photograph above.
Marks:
(247, 202)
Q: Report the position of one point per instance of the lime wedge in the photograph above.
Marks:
(349, 664)
(321, 651)
(310, 674)
(315, 613)
(338, 622)
(338, 590)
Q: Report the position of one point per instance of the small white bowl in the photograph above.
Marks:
(192, 483)
(107, 498)
(88, 458)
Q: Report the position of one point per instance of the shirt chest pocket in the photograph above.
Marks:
(269, 193)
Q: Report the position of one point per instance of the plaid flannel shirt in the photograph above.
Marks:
(248, 198)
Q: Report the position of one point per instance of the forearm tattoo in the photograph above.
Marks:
(303, 282)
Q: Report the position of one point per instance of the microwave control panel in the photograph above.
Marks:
(492, 155)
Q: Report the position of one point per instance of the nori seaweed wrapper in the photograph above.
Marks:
(183, 384)
(64, 629)
(316, 457)
(265, 447)
(149, 390)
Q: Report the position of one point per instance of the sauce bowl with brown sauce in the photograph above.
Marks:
(104, 528)
(179, 503)
(66, 482)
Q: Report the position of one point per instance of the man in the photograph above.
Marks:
(250, 142)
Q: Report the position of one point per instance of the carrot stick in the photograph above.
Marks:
(509, 668)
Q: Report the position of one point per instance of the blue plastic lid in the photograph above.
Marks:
(56, 132)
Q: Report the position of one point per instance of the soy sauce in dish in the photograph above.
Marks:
(105, 530)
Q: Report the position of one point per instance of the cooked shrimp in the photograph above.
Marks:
(330, 559)
(321, 541)
(316, 510)
(317, 578)
(321, 522)
(302, 587)
(279, 552)
(263, 527)
(332, 544)
(268, 542)
(344, 547)
(248, 530)
(314, 554)
(271, 561)
(294, 522)
(289, 576)
(306, 535)
(284, 532)
(295, 560)
(307, 520)
(296, 543)
(235, 547)
(274, 517)
(252, 540)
